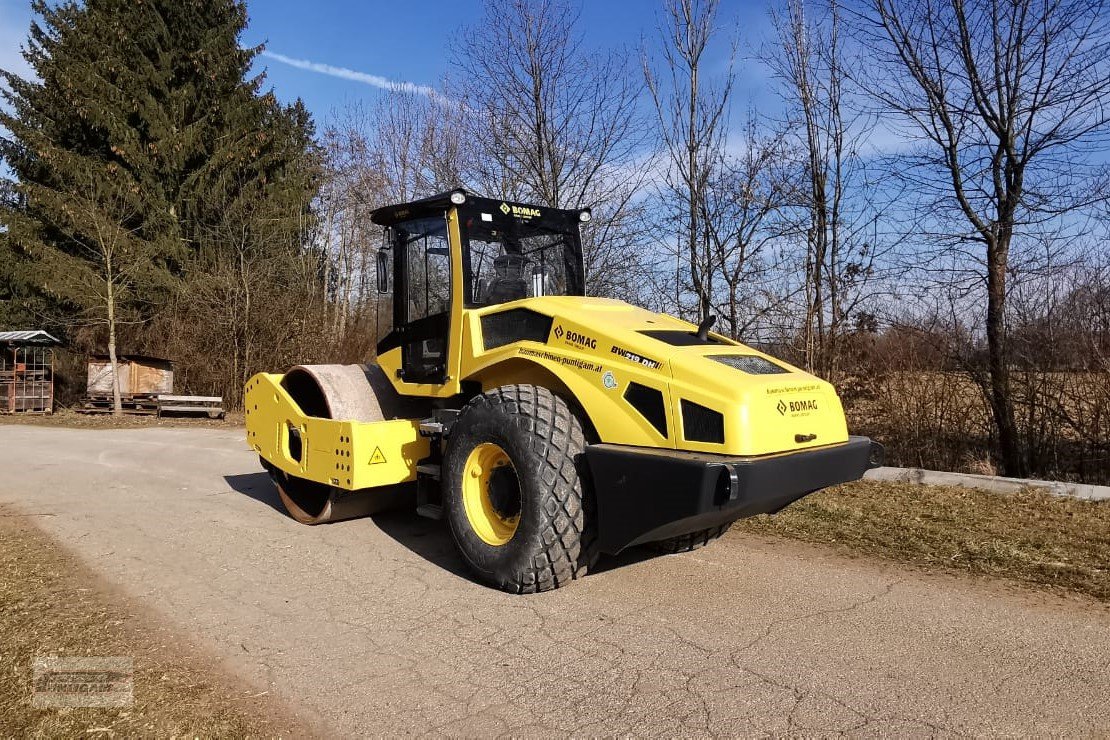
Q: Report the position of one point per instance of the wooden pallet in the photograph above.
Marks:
(138, 405)
(211, 405)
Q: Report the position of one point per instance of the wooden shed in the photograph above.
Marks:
(141, 379)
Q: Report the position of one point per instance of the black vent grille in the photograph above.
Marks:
(680, 338)
(700, 424)
(514, 325)
(751, 364)
(649, 402)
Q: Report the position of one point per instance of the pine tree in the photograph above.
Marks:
(143, 134)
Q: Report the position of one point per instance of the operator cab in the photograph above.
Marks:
(456, 251)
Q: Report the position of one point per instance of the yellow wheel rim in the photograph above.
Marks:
(491, 494)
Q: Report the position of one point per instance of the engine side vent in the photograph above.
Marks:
(700, 424)
(649, 402)
(751, 364)
(514, 325)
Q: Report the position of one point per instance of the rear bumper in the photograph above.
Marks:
(646, 494)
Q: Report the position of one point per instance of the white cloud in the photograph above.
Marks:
(365, 78)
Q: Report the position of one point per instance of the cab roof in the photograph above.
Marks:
(434, 204)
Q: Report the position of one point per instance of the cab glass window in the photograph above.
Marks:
(427, 268)
(508, 262)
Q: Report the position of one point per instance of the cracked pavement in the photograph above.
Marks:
(372, 626)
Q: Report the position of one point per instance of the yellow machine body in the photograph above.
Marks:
(670, 407)
(595, 349)
(350, 455)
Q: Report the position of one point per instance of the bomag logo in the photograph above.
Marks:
(797, 407)
(581, 340)
(520, 211)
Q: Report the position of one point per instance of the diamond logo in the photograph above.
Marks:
(782, 407)
(558, 332)
(505, 208)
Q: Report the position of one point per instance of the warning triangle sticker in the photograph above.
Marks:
(377, 457)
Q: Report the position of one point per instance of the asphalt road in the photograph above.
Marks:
(372, 626)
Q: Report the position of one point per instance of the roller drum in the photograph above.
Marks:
(351, 393)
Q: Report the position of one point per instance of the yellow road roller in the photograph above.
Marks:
(545, 426)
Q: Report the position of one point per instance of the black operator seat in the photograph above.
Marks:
(508, 283)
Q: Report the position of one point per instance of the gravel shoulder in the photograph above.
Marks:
(51, 605)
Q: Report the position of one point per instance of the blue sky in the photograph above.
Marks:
(408, 41)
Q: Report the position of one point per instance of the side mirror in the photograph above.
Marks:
(384, 263)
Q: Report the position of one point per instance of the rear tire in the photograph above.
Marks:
(692, 541)
(515, 491)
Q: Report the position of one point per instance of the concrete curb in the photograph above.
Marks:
(988, 482)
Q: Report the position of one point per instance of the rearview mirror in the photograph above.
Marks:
(384, 263)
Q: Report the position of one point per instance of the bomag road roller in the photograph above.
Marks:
(546, 427)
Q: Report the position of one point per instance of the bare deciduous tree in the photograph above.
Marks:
(98, 212)
(744, 200)
(834, 216)
(553, 122)
(1008, 98)
(406, 146)
(692, 117)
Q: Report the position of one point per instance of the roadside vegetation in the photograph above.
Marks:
(1028, 537)
(51, 605)
(914, 203)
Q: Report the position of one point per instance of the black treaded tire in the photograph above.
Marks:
(692, 541)
(555, 538)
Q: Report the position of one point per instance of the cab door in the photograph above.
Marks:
(422, 298)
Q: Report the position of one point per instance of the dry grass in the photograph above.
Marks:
(1029, 537)
(51, 605)
(941, 421)
(70, 418)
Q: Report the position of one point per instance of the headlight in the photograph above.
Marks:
(458, 197)
(585, 215)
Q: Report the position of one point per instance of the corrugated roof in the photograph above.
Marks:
(132, 358)
(32, 336)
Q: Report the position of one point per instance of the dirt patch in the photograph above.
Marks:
(51, 605)
(70, 418)
(1030, 537)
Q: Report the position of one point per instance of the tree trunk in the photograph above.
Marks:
(117, 400)
(694, 198)
(1001, 401)
(248, 329)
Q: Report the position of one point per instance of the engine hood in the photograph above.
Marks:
(719, 395)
